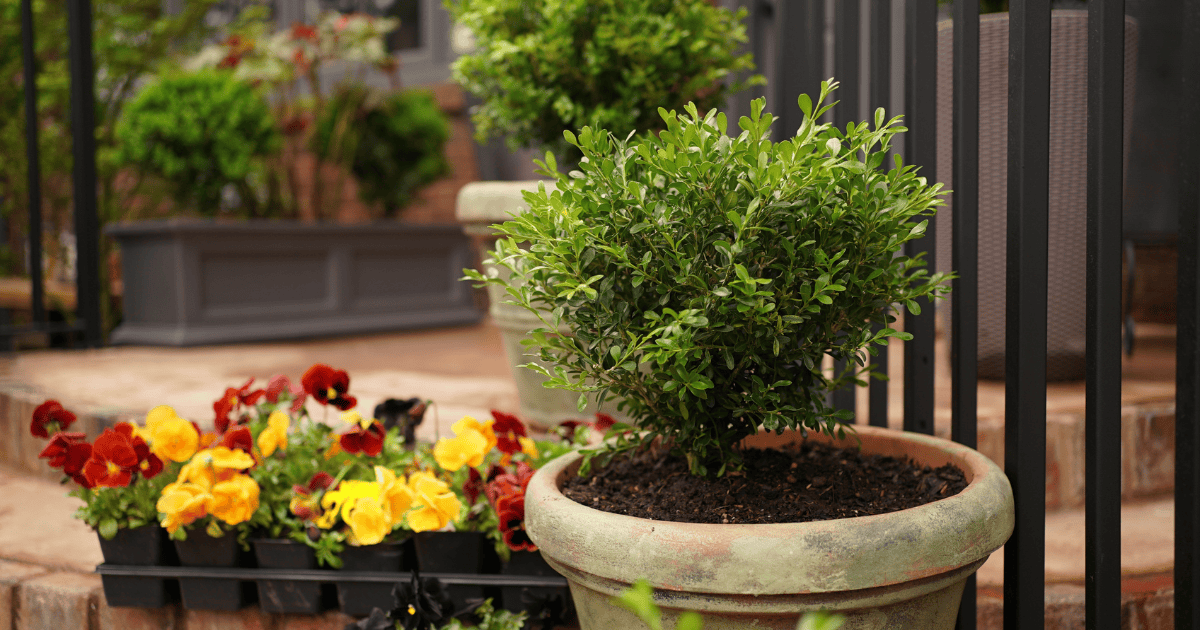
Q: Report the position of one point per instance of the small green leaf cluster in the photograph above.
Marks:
(199, 132)
(705, 277)
(107, 510)
(541, 66)
(392, 145)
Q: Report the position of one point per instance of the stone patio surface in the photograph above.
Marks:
(464, 370)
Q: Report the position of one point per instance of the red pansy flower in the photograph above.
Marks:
(360, 440)
(280, 385)
(149, 465)
(510, 510)
(320, 481)
(231, 400)
(328, 386)
(238, 438)
(508, 428)
(114, 459)
(474, 485)
(67, 451)
(603, 422)
(50, 417)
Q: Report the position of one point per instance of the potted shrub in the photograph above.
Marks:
(206, 135)
(541, 67)
(704, 278)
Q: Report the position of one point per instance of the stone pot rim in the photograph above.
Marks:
(784, 558)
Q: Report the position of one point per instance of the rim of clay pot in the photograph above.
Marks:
(785, 558)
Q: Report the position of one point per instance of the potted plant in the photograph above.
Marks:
(118, 477)
(541, 67)
(704, 278)
(205, 135)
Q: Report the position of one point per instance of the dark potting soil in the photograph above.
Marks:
(808, 482)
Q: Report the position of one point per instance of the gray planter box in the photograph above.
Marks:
(190, 283)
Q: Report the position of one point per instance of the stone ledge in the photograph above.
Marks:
(33, 598)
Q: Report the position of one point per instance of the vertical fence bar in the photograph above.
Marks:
(880, 85)
(33, 161)
(1187, 314)
(1102, 429)
(964, 249)
(847, 70)
(792, 75)
(846, 61)
(83, 136)
(1025, 352)
(921, 114)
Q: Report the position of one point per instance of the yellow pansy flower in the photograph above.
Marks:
(484, 429)
(528, 446)
(353, 417)
(367, 521)
(181, 504)
(395, 496)
(275, 436)
(340, 501)
(436, 504)
(169, 436)
(468, 447)
(234, 500)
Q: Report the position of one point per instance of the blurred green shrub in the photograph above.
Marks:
(393, 144)
(199, 132)
(542, 66)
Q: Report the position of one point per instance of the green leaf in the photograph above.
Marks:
(107, 528)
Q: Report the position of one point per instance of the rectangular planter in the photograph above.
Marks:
(199, 282)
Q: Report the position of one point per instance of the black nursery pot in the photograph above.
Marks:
(358, 598)
(541, 602)
(457, 552)
(202, 550)
(141, 546)
(286, 596)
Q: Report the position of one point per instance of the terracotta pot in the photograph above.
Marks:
(903, 570)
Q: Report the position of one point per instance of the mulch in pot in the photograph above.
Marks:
(806, 482)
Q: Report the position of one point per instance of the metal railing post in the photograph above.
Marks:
(83, 135)
(1025, 330)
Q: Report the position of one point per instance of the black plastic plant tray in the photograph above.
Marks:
(331, 577)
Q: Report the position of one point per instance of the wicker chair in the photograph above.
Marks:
(1068, 178)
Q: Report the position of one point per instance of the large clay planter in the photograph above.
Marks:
(903, 570)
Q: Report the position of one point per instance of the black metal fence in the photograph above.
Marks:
(789, 41)
(87, 322)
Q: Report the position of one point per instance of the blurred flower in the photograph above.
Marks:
(113, 460)
(234, 500)
(328, 386)
(394, 494)
(368, 522)
(238, 438)
(366, 436)
(50, 417)
(231, 401)
(69, 452)
(170, 436)
(424, 604)
(275, 435)
(280, 385)
(484, 429)
(467, 447)
(436, 505)
(508, 429)
(181, 504)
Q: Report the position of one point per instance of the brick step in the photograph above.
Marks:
(1147, 419)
